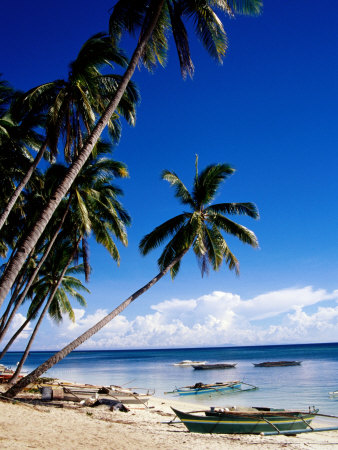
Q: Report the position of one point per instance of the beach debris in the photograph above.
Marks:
(119, 407)
(90, 401)
(46, 393)
(114, 405)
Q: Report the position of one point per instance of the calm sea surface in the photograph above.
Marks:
(288, 387)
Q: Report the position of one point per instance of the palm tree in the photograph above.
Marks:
(6, 96)
(56, 285)
(92, 206)
(28, 276)
(154, 18)
(72, 105)
(200, 229)
(18, 136)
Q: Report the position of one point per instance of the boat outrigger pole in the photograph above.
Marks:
(273, 433)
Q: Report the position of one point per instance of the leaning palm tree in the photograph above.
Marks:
(93, 207)
(72, 105)
(55, 285)
(18, 136)
(201, 229)
(153, 19)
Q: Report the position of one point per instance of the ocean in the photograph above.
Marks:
(289, 387)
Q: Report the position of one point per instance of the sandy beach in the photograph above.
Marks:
(67, 425)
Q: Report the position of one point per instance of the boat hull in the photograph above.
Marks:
(229, 423)
(214, 366)
(7, 375)
(189, 363)
(278, 364)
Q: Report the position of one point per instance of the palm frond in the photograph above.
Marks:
(181, 192)
(242, 233)
(179, 243)
(127, 15)
(162, 232)
(247, 7)
(86, 223)
(246, 209)
(208, 27)
(208, 182)
(181, 39)
(156, 47)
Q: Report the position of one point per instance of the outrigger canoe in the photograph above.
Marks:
(214, 366)
(188, 363)
(248, 421)
(278, 363)
(6, 374)
(214, 388)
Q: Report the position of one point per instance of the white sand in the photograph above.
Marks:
(42, 426)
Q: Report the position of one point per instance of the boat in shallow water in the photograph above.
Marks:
(188, 363)
(277, 363)
(214, 366)
(333, 394)
(214, 388)
(235, 420)
(202, 388)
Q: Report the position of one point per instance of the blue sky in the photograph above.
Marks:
(271, 112)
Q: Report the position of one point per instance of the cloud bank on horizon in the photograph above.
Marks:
(288, 316)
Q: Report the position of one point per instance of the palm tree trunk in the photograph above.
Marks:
(31, 377)
(31, 238)
(44, 311)
(19, 301)
(19, 330)
(19, 285)
(24, 181)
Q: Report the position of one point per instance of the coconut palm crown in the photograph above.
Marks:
(174, 17)
(201, 228)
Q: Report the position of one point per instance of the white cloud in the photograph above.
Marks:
(18, 320)
(219, 318)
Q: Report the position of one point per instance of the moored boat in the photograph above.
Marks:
(202, 388)
(188, 362)
(214, 366)
(333, 394)
(277, 363)
(247, 420)
(7, 373)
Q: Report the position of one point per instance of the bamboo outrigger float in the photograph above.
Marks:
(264, 421)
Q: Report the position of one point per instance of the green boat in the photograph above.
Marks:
(236, 420)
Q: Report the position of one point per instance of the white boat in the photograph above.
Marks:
(187, 362)
(333, 394)
(130, 395)
(122, 394)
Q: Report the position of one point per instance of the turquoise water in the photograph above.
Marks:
(288, 387)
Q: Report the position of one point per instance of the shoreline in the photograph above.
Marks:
(68, 425)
